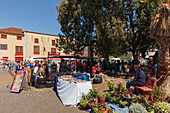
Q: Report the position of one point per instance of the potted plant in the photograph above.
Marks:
(83, 104)
(101, 98)
(93, 93)
(137, 108)
(91, 102)
(107, 96)
(123, 103)
(110, 110)
(126, 93)
(115, 99)
(102, 108)
(111, 87)
(95, 110)
(110, 100)
(161, 106)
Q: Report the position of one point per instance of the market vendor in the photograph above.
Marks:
(139, 78)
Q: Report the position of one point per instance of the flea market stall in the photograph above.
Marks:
(70, 90)
(70, 86)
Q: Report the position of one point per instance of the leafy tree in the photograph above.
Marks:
(92, 23)
(138, 16)
(77, 25)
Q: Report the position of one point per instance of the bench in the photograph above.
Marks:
(147, 89)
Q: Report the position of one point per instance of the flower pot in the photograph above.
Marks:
(101, 99)
(105, 111)
(110, 100)
(83, 108)
(90, 104)
(111, 92)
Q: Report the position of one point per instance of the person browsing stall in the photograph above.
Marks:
(36, 74)
(19, 67)
(139, 78)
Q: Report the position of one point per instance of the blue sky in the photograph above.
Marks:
(30, 15)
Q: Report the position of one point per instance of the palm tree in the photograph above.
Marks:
(160, 29)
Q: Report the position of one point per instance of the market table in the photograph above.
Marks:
(70, 93)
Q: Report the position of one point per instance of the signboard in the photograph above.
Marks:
(17, 81)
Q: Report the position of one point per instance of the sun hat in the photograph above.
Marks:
(136, 66)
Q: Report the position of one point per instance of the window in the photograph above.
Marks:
(19, 37)
(36, 40)
(5, 57)
(3, 46)
(36, 50)
(53, 42)
(53, 51)
(19, 50)
(3, 36)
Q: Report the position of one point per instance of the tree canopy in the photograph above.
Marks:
(107, 27)
(92, 23)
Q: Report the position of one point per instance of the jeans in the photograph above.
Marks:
(132, 83)
(35, 80)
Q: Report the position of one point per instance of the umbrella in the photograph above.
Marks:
(4, 59)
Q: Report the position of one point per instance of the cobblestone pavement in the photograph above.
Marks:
(30, 101)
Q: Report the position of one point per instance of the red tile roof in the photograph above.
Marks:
(12, 30)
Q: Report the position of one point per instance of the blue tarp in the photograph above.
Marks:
(116, 108)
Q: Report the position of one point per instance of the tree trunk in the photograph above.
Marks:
(90, 54)
(135, 58)
(166, 86)
(106, 57)
(163, 56)
(163, 52)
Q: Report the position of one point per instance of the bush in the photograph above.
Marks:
(110, 85)
(158, 93)
(163, 106)
(137, 108)
(107, 95)
(83, 103)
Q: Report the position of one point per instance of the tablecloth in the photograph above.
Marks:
(71, 93)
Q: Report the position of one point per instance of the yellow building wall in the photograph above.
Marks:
(11, 42)
(45, 41)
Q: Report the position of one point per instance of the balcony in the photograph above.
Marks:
(19, 54)
(54, 53)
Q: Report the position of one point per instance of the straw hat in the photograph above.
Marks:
(136, 66)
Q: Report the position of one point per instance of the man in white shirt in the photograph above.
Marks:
(36, 74)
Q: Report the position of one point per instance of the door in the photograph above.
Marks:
(18, 59)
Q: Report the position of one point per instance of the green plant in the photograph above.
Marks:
(110, 85)
(137, 108)
(163, 106)
(93, 93)
(123, 103)
(126, 91)
(95, 110)
(158, 93)
(99, 95)
(85, 97)
(110, 110)
(83, 103)
(107, 95)
(115, 99)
